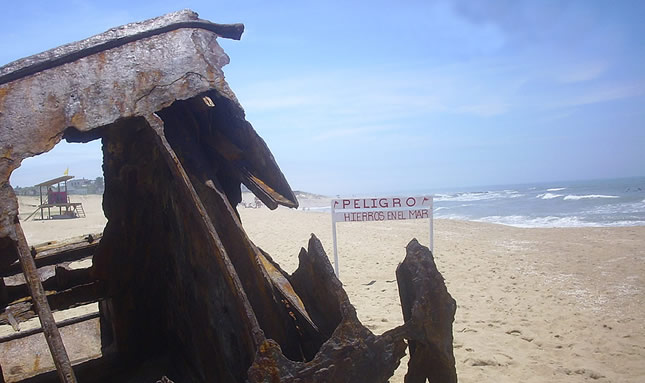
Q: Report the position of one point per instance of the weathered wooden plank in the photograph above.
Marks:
(44, 249)
(54, 253)
(67, 299)
(38, 330)
(77, 296)
(63, 279)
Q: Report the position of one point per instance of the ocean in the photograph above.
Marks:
(613, 202)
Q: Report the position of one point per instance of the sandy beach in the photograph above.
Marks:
(534, 305)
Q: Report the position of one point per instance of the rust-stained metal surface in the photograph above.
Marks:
(350, 352)
(181, 288)
(137, 78)
(428, 311)
(52, 335)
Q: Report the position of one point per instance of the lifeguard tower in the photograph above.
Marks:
(53, 194)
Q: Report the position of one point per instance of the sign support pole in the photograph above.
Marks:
(333, 234)
(431, 215)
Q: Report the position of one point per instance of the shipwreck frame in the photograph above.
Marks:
(183, 293)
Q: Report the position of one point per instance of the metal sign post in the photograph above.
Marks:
(379, 209)
(333, 235)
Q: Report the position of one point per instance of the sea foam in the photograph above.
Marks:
(555, 189)
(549, 195)
(528, 222)
(588, 196)
(552, 221)
(477, 196)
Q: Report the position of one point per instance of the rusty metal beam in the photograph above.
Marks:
(41, 62)
(52, 335)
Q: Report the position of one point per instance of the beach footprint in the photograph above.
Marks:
(526, 337)
(585, 372)
(497, 360)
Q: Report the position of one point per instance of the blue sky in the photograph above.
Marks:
(386, 96)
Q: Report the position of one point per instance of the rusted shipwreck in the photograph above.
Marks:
(183, 293)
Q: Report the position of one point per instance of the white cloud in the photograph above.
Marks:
(489, 109)
(601, 93)
(354, 97)
(585, 72)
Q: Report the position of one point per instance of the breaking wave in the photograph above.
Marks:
(477, 196)
(555, 189)
(549, 195)
(588, 196)
(552, 221)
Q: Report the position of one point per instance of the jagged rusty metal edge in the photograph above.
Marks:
(428, 312)
(352, 354)
(129, 80)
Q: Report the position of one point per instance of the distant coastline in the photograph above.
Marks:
(594, 203)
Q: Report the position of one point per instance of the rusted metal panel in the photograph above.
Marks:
(113, 38)
(171, 285)
(134, 70)
(134, 79)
